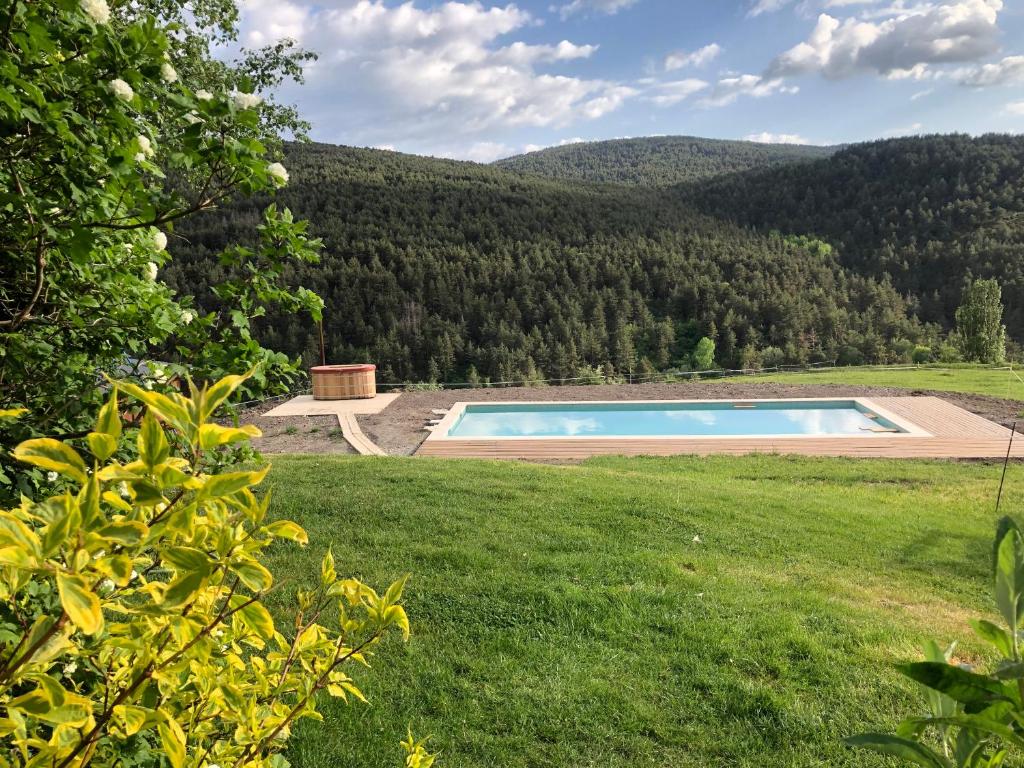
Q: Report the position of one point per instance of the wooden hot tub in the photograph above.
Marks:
(344, 382)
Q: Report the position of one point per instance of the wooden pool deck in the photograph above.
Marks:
(951, 433)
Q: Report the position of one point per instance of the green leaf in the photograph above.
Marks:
(108, 422)
(171, 410)
(80, 603)
(53, 455)
(213, 435)
(221, 391)
(126, 532)
(117, 567)
(132, 718)
(255, 576)
(153, 447)
(1010, 577)
(993, 634)
(286, 529)
(173, 740)
(102, 445)
(57, 532)
(183, 589)
(972, 690)
(219, 486)
(254, 615)
(898, 747)
(188, 559)
(328, 575)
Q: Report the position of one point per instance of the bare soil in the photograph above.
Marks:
(398, 429)
(294, 434)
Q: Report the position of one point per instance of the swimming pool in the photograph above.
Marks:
(906, 426)
(670, 419)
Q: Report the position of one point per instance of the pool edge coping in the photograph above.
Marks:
(439, 433)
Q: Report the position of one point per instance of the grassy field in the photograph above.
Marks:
(982, 381)
(568, 616)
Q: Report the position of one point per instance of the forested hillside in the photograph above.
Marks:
(658, 160)
(441, 270)
(928, 212)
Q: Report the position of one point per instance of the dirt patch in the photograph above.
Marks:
(295, 434)
(398, 429)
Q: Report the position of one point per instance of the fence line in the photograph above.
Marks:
(639, 378)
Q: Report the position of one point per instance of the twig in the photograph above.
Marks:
(1006, 461)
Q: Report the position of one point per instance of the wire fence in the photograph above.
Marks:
(663, 377)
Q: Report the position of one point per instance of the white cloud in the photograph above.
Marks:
(596, 6)
(922, 94)
(667, 94)
(728, 89)
(432, 78)
(767, 6)
(1009, 71)
(1015, 108)
(522, 54)
(908, 130)
(487, 151)
(776, 138)
(905, 39)
(698, 58)
(561, 143)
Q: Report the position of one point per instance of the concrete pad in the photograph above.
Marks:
(305, 405)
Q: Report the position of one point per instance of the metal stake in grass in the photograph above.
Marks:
(1006, 461)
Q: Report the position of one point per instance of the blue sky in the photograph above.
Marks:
(481, 80)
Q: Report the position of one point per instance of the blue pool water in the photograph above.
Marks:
(667, 419)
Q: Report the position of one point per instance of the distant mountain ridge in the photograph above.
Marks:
(453, 271)
(925, 212)
(658, 161)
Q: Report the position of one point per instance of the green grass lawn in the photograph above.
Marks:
(982, 381)
(565, 616)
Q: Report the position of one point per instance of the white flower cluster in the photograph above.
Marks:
(159, 241)
(121, 89)
(203, 95)
(278, 173)
(145, 148)
(97, 10)
(167, 73)
(245, 100)
(151, 270)
(187, 316)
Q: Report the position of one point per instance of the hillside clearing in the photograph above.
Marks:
(1004, 383)
(686, 612)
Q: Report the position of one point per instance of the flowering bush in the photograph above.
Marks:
(115, 124)
(132, 620)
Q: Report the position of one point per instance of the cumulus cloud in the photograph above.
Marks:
(901, 42)
(592, 6)
(667, 94)
(1015, 108)
(415, 76)
(1009, 71)
(776, 138)
(728, 89)
(698, 58)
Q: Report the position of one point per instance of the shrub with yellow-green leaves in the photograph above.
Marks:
(132, 620)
